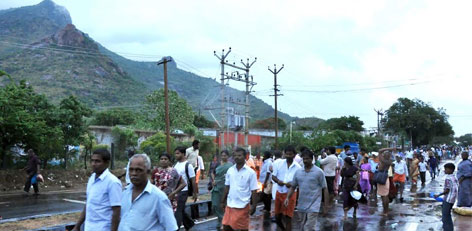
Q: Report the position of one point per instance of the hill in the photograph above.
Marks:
(58, 67)
(30, 23)
(42, 47)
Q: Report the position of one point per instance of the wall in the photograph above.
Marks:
(103, 135)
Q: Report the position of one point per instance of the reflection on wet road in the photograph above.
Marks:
(418, 212)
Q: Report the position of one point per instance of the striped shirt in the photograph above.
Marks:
(451, 184)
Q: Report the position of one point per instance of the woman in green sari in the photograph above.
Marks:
(219, 186)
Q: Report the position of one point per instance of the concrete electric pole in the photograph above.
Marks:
(249, 81)
(380, 113)
(222, 59)
(164, 61)
(243, 78)
(276, 93)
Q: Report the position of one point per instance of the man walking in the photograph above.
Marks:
(191, 154)
(433, 164)
(329, 167)
(241, 188)
(144, 206)
(103, 206)
(311, 182)
(346, 152)
(186, 171)
(283, 176)
(464, 175)
(400, 174)
(32, 170)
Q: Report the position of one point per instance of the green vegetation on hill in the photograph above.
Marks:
(99, 77)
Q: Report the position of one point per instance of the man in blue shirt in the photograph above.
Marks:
(102, 210)
(144, 206)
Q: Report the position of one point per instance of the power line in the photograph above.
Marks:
(352, 84)
(356, 89)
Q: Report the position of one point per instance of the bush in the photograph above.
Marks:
(123, 138)
(99, 146)
(155, 145)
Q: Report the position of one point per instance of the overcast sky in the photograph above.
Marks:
(341, 58)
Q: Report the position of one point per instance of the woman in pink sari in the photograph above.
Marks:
(364, 181)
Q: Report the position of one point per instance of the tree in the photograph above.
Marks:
(269, 124)
(465, 140)
(72, 113)
(297, 139)
(351, 123)
(322, 139)
(155, 145)
(27, 120)
(180, 113)
(201, 122)
(113, 117)
(123, 138)
(416, 120)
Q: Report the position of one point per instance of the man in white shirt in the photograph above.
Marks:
(400, 174)
(298, 158)
(277, 160)
(200, 170)
(329, 167)
(241, 188)
(283, 176)
(127, 179)
(103, 206)
(142, 197)
(192, 154)
(264, 179)
(423, 166)
(185, 170)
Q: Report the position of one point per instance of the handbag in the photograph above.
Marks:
(380, 177)
(210, 185)
(268, 188)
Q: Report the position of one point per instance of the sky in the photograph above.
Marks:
(340, 58)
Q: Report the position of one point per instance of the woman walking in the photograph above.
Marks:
(351, 179)
(219, 186)
(364, 181)
(385, 161)
(415, 170)
(166, 178)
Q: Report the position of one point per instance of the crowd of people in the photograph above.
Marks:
(155, 199)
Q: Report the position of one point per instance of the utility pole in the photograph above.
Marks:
(164, 61)
(276, 93)
(248, 91)
(249, 80)
(222, 59)
(380, 113)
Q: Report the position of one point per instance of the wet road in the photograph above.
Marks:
(21, 206)
(417, 212)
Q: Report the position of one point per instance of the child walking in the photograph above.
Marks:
(450, 195)
(423, 166)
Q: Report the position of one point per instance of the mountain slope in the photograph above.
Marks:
(58, 67)
(41, 47)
